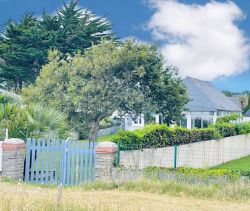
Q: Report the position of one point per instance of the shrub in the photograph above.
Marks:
(229, 118)
(225, 129)
(161, 135)
(243, 128)
(32, 121)
(126, 138)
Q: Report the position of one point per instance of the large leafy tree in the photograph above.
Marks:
(128, 78)
(24, 45)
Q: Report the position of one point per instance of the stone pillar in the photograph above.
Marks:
(106, 153)
(13, 158)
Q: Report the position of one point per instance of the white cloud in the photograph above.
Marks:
(203, 41)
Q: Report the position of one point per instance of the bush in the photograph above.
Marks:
(225, 129)
(32, 121)
(161, 135)
(126, 138)
(243, 128)
(229, 118)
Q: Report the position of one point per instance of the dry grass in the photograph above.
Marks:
(20, 196)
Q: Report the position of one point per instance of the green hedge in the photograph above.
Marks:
(225, 129)
(160, 135)
(155, 135)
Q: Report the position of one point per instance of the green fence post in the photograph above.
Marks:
(175, 156)
(118, 154)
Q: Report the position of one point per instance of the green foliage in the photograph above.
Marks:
(241, 165)
(129, 78)
(228, 119)
(24, 44)
(161, 135)
(21, 52)
(243, 128)
(193, 171)
(225, 129)
(32, 121)
(126, 138)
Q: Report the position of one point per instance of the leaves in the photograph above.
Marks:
(24, 45)
(128, 78)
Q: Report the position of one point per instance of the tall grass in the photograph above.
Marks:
(134, 195)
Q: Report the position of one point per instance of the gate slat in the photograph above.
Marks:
(73, 164)
(38, 160)
(52, 161)
(62, 149)
(81, 160)
(57, 157)
(68, 163)
(47, 160)
(43, 160)
(65, 167)
(90, 153)
(33, 150)
(86, 149)
(27, 163)
(77, 162)
(94, 157)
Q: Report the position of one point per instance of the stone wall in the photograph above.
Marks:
(198, 155)
(13, 155)
(106, 153)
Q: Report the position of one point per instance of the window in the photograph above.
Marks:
(183, 122)
(137, 121)
(201, 123)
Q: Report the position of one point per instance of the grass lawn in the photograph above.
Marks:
(135, 195)
(239, 164)
(102, 138)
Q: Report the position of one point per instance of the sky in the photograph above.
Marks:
(208, 40)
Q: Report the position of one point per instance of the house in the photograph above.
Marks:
(126, 123)
(246, 117)
(206, 104)
(241, 100)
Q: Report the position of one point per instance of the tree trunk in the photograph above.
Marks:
(93, 131)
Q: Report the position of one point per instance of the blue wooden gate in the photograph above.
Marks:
(59, 162)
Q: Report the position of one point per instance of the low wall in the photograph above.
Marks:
(198, 155)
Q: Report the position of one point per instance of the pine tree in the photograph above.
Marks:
(24, 45)
(21, 52)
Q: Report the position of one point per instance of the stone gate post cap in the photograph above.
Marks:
(13, 143)
(106, 147)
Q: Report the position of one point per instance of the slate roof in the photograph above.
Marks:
(205, 97)
(247, 114)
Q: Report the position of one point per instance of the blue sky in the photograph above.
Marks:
(225, 62)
